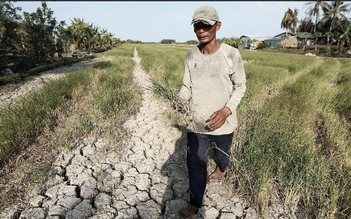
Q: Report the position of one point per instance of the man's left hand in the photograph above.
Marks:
(218, 118)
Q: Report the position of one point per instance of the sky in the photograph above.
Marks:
(150, 21)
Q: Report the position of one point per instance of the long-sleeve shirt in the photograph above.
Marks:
(211, 82)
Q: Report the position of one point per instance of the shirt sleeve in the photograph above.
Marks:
(238, 79)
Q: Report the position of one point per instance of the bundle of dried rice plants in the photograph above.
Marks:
(164, 90)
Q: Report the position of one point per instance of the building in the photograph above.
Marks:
(292, 40)
(252, 41)
(273, 42)
(284, 39)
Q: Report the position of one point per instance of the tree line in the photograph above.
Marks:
(37, 36)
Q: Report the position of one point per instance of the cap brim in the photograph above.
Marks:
(205, 21)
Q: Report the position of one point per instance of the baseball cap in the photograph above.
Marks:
(206, 14)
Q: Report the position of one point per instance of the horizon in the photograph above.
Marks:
(154, 21)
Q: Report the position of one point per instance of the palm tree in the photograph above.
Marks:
(79, 31)
(109, 37)
(103, 37)
(329, 35)
(313, 10)
(335, 12)
(106, 38)
(317, 35)
(87, 36)
(285, 23)
(306, 25)
(96, 37)
(295, 19)
(290, 20)
(69, 38)
(344, 33)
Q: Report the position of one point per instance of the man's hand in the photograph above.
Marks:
(218, 118)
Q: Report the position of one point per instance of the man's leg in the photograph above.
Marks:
(197, 158)
(221, 145)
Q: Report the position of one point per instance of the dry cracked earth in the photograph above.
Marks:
(149, 181)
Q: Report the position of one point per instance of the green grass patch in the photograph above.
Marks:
(342, 101)
(163, 64)
(22, 122)
(115, 91)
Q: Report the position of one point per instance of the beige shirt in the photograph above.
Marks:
(210, 82)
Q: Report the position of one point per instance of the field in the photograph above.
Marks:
(292, 146)
(294, 136)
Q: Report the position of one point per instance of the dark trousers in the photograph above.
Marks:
(199, 146)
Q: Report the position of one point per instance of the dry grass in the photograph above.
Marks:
(291, 147)
(25, 173)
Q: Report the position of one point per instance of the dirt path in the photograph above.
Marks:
(148, 181)
(9, 93)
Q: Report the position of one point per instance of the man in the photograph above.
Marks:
(214, 83)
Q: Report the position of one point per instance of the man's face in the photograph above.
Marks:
(206, 33)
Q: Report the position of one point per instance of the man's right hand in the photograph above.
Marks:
(218, 118)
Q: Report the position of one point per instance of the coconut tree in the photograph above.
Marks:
(286, 21)
(295, 19)
(108, 38)
(306, 25)
(344, 30)
(88, 37)
(328, 35)
(80, 31)
(334, 12)
(290, 20)
(96, 37)
(103, 37)
(317, 35)
(314, 10)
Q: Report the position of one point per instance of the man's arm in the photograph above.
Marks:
(238, 79)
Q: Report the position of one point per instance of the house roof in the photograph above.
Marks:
(284, 33)
(298, 35)
(274, 39)
(255, 37)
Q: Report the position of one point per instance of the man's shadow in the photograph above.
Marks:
(176, 195)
